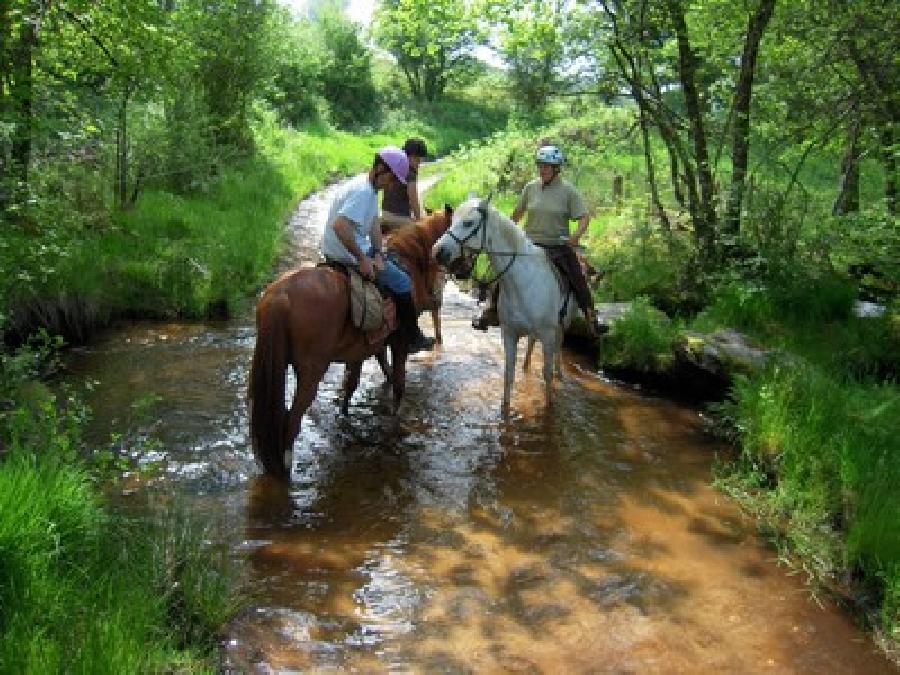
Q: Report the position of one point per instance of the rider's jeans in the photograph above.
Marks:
(394, 278)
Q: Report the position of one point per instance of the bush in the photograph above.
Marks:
(643, 339)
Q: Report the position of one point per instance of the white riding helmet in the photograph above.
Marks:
(549, 154)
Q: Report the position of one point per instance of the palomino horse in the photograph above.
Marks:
(303, 322)
(533, 297)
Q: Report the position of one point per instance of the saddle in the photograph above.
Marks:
(561, 272)
(372, 312)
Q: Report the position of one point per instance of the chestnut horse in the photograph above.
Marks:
(303, 321)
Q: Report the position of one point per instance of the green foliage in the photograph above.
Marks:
(432, 40)
(534, 45)
(796, 300)
(642, 340)
(820, 456)
(236, 46)
(643, 262)
(347, 73)
(296, 90)
(866, 246)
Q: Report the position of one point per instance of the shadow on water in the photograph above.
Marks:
(581, 539)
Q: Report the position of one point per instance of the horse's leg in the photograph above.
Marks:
(551, 353)
(398, 374)
(510, 346)
(351, 381)
(436, 322)
(308, 378)
(382, 359)
(529, 349)
(558, 359)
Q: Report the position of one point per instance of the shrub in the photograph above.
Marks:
(642, 339)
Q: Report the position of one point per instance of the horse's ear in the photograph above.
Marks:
(448, 211)
(428, 211)
(489, 197)
(472, 195)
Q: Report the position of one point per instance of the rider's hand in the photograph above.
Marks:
(378, 262)
(365, 267)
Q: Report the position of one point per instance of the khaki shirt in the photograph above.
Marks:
(550, 209)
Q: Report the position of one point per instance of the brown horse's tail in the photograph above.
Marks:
(268, 415)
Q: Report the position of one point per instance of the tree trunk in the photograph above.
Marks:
(22, 96)
(651, 175)
(122, 151)
(889, 159)
(704, 213)
(740, 145)
(847, 200)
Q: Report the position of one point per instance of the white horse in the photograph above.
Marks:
(533, 295)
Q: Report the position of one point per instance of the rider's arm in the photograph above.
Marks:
(377, 240)
(412, 191)
(343, 228)
(581, 229)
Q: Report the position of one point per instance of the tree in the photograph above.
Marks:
(533, 44)
(432, 40)
(655, 48)
(20, 28)
(346, 71)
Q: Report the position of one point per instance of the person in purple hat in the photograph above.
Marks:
(353, 237)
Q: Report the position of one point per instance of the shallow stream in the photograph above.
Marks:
(584, 539)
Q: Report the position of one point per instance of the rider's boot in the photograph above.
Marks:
(408, 325)
(488, 316)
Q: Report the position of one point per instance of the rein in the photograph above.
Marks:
(482, 226)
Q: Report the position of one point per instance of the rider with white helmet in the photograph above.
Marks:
(353, 235)
(550, 204)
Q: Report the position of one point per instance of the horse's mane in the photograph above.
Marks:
(517, 239)
(415, 242)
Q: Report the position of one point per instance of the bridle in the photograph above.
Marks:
(472, 251)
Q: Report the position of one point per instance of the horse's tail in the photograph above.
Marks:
(268, 415)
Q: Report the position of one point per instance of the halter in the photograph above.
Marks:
(482, 209)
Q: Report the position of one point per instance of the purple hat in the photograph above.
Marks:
(396, 160)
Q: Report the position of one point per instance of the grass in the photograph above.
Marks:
(641, 340)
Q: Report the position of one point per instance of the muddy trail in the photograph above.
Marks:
(583, 539)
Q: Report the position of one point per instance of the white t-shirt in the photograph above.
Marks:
(357, 201)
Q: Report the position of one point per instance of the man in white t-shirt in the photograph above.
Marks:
(353, 237)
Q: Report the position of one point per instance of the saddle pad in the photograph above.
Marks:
(366, 310)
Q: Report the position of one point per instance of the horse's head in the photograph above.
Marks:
(466, 236)
(435, 223)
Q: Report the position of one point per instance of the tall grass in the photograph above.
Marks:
(819, 463)
(643, 339)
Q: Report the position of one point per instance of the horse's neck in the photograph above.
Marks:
(432, 229)
(509, 239)
(418, 238)
(524, 262)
